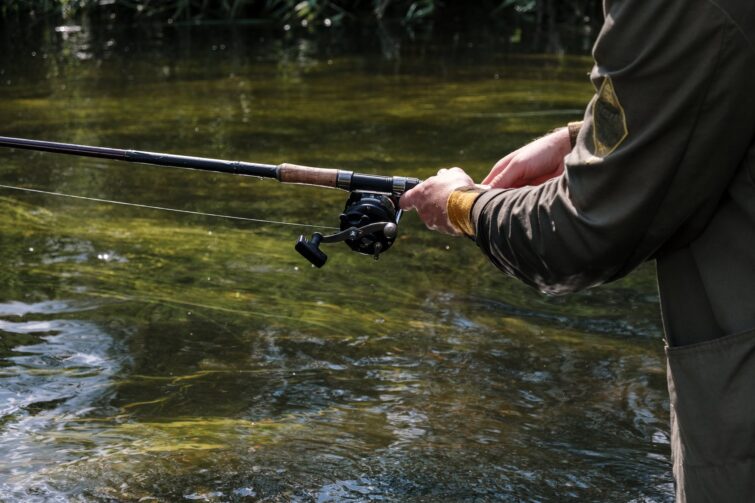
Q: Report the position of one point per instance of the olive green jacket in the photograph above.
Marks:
(664, 169)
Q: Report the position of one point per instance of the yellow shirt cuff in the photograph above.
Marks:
(459, 208)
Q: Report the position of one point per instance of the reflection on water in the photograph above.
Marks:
(54, 374)
(151, 356)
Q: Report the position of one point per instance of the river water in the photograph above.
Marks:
(153, 356)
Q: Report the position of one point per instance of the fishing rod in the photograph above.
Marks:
(369, 221)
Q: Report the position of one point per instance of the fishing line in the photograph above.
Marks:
(162, 208)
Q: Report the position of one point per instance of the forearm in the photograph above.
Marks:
(537, 235)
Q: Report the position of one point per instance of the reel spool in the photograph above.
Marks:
(368, 226)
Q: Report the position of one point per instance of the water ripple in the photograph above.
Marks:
(53, 377)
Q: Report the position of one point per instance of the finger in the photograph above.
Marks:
(509, 178)
(498, 168)
(545, 178)
(507, 181)
(491, 176)
(517, 174)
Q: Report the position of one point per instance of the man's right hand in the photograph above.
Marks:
(532, 164)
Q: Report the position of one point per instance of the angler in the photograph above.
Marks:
(369, 221)
(662, 168)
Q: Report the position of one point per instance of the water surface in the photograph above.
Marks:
(154, 356)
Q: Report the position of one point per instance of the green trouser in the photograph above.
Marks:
(708, 302)
(712, 390)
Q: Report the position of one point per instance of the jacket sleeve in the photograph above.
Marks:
(661, 139)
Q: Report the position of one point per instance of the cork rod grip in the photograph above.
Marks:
(293, 173)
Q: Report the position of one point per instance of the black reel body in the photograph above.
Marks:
(368, 226)
(363, 208)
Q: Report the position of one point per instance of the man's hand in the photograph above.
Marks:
(430, 198)
(532, 164)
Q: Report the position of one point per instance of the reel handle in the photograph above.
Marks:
(310, 249)
(368, 226)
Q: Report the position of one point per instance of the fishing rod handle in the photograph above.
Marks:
(345, 180)
(307, 175)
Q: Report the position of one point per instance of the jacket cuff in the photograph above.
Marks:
(459, 208)
(574, 128)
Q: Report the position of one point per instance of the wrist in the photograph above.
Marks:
(560, 139)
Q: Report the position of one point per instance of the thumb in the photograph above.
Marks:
(406, 201)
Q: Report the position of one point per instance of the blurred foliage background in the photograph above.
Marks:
(543, 21)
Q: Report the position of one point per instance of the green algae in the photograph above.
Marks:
(231, 363)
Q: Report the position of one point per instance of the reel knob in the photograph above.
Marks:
(310, 249)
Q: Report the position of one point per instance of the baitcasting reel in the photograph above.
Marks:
(368, 225)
